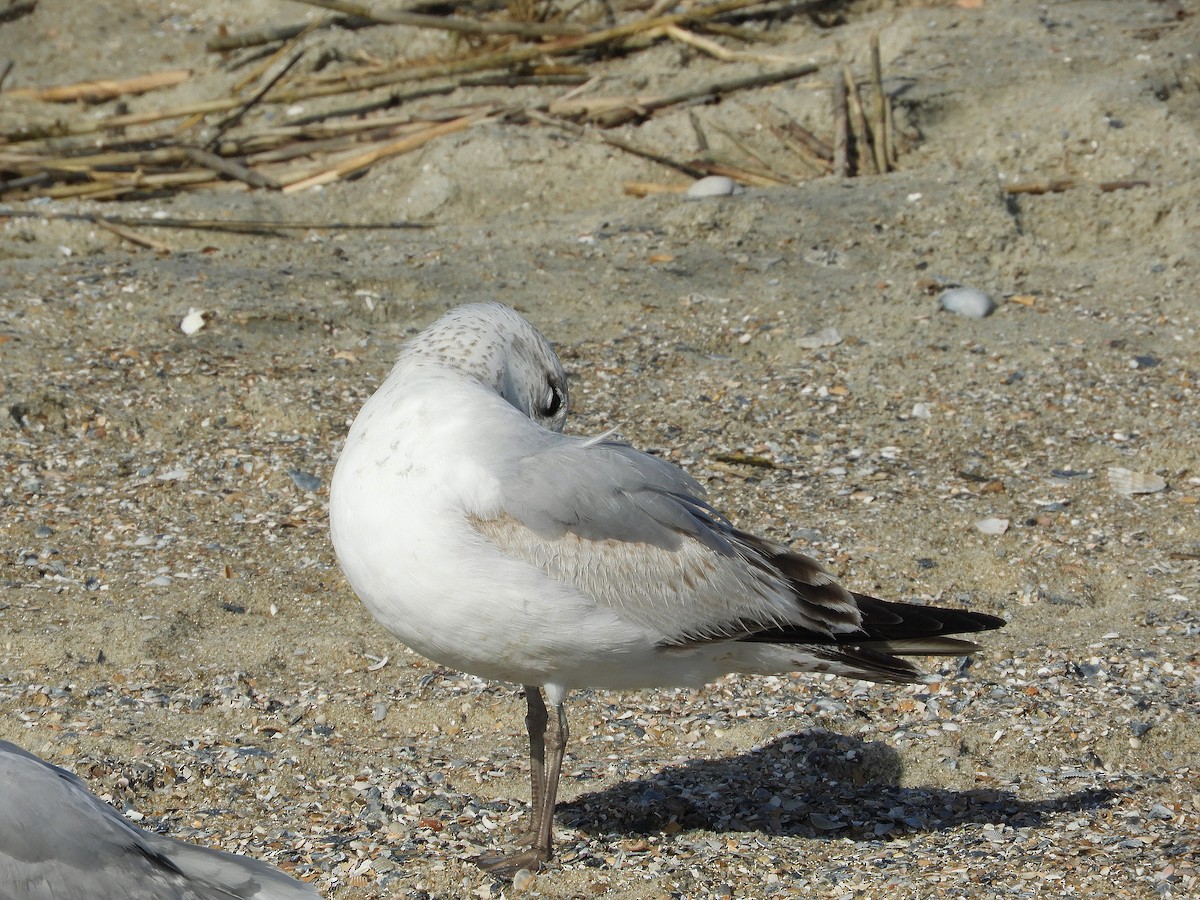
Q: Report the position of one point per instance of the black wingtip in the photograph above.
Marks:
(888, 620)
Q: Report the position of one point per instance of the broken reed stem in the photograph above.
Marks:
(501, 59)
(767, 170)
(698, 130)
(646, 188)
(841, 129)
(448, 23)
(365, 160)
(864, 159)
(264, 66)
(115, 188)
(236, 226)
(738, 173)
(746, 35)
(223, 166)
(624, 114)
(787, 133)
(889, 130)
(104, 89)
(230, 121)
(1058, 185)
(134, 238)
(879, 123)
(715, 50)
(259, 36)
(695, 171)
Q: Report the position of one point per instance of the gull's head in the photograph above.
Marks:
(492, 344)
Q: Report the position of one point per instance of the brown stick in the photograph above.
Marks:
(879, 119)
(105, 89)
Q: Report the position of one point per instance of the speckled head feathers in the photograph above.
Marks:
(492, 344)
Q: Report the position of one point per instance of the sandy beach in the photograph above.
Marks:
(173, 624)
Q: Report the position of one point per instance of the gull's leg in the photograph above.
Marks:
(535, 724)
(556, 743)
(541, 822)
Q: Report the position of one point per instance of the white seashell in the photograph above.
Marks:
(193, 321)
(992, 526)
(969, 302)
(1128, 482)
(714, 186)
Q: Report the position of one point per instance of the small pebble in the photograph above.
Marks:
(192, 322)
(714, 186)
(992, 526)
(969, 302)
(826, 337)
(304, 480)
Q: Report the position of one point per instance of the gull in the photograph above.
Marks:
(485, 539)
(60, 842)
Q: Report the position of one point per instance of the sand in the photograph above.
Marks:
(173, 624)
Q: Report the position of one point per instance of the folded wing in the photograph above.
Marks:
(635, 534)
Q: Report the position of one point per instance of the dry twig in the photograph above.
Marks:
(841, 129)
(879, 119)
(448, 23)
(105, 89)
(236, 226)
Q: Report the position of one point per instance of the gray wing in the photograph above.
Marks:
(58, 840)
(635, 533)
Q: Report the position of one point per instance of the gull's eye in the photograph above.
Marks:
(554, 402)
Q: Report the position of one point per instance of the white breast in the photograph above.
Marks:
(401, 504)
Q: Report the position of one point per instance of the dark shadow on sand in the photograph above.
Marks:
(815, 784)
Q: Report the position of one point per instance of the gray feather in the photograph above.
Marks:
(59, 841)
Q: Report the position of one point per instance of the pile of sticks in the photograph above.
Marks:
(229, 139)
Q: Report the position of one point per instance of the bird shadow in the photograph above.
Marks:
(815, 784)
